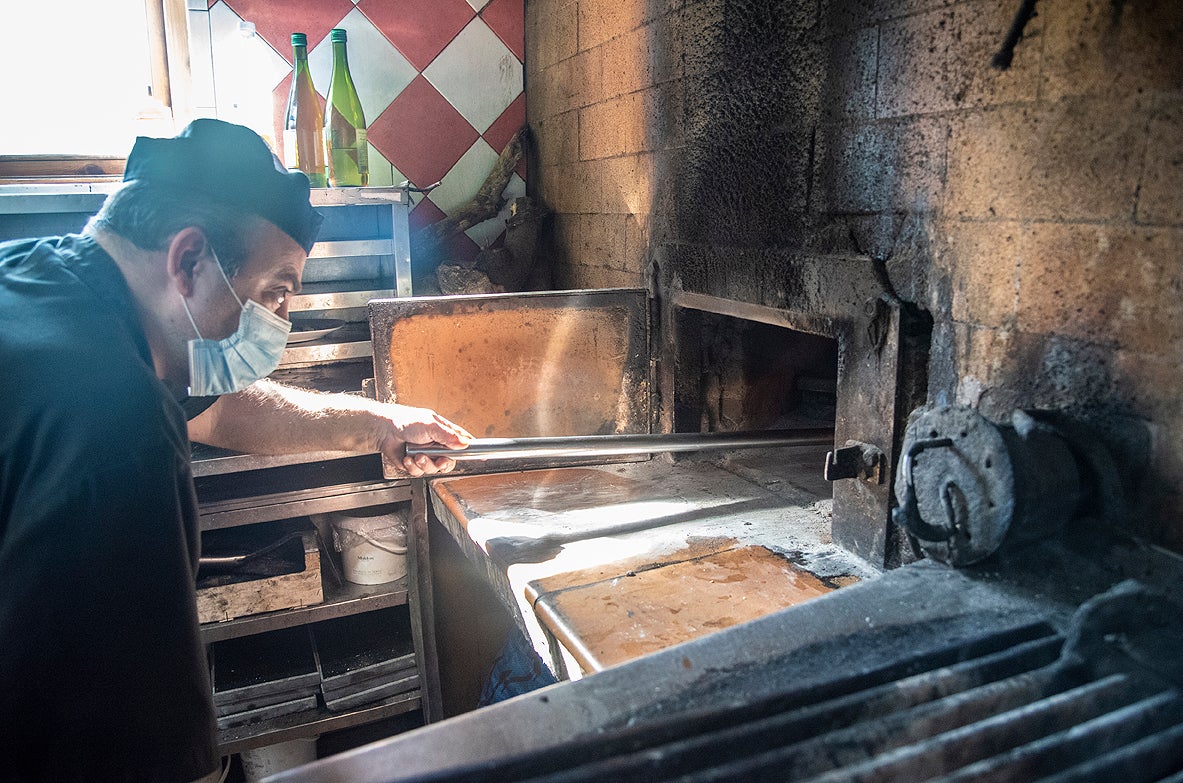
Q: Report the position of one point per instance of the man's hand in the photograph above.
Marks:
(404, 424)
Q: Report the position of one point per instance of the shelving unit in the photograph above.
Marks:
(364, 254)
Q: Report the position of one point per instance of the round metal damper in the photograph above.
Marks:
(955, 485)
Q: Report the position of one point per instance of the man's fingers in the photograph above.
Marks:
(422, 465)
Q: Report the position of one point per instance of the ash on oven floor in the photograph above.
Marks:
(365, 658)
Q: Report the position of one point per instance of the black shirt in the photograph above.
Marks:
(102, 671)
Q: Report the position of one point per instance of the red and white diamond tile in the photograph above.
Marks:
(420, 30)
(477, 51)
(440, 83)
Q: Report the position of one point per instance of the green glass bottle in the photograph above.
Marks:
(303, 122)
(345, 124)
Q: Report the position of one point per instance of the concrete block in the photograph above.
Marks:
(601, 241)
(571, 187)
(981, 260)
(627, 65)
(1091, 49)
(979, 29)
(551, 33)
(914, 57)
(1160, 199)
(557, 138)
(1112, 285)
(842, 16)
(636, 243)
(882, 166)
(613, 127)
(1073, 160)
(1149, 385)
(849, 91)
(665, 116)
(603, 21)
(587, 78)
(629, 184)
(603, 277)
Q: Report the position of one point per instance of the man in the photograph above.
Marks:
(172, 300)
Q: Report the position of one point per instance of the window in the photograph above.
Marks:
(80, 80)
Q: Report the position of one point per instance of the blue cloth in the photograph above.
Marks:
(518, 669)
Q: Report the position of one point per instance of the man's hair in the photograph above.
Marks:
(150, 214)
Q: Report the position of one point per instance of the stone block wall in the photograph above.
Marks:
(751, 149)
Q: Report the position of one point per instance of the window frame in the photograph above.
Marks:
(168, 47)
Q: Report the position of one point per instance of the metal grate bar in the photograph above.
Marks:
(900, 742)
(1059, 751)
(690, 723)
(1036, 640)
(1148, 759)
(1007, 729)
(737, 741)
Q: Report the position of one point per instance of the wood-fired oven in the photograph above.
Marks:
(1021, 637)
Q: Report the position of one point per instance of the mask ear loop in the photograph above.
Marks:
(218, 264)
(185, 305)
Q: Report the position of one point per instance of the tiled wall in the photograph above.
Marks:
(764, 150)
(440, 83)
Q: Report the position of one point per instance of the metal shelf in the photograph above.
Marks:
(311, 723)
(318, 500)
(210, 461)
(340, 600)
(337, 295)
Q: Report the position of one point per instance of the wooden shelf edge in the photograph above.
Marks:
(340, 601)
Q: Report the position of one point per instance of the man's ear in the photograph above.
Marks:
(186, 250)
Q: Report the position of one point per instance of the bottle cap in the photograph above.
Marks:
(299, 39)
(337, 35)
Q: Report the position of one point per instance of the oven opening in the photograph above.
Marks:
(734, 374)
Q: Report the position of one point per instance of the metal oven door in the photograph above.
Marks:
(519, 365)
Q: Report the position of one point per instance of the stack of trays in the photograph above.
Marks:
(365, 659)
(264, 676)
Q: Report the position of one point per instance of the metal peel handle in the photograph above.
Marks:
(619, 445)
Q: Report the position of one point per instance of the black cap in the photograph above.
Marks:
(230, 164)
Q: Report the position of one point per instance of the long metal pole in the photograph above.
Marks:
(617, 445)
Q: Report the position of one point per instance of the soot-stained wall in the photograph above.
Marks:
(766, 151)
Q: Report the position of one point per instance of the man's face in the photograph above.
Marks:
(270, 275)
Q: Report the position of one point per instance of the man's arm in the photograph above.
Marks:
(270, 418)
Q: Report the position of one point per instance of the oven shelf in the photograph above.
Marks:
(340, 600)
(311, 723)
(318, 500)
(336, 295)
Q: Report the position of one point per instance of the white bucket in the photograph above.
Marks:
(261, 762)
(372, 543)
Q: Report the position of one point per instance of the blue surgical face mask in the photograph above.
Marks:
(234, 363)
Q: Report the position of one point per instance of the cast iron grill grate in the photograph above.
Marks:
(1025, 703)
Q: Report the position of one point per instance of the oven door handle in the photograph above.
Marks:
(619, 445)
(907, 514)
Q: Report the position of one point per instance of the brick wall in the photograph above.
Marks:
(757, 149)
